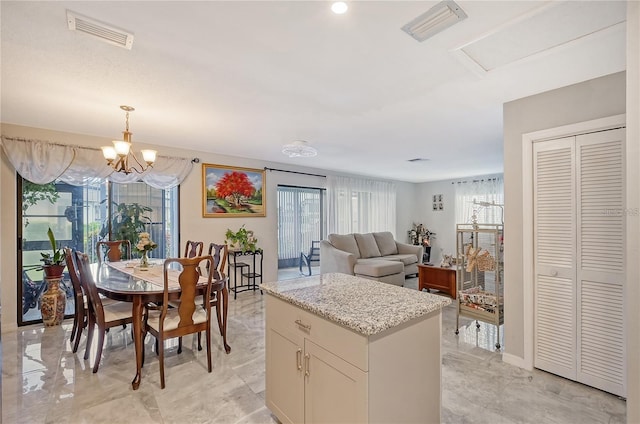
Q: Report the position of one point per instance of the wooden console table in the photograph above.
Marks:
(435, 277)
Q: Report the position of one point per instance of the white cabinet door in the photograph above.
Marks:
(335, 390)
(284, 376)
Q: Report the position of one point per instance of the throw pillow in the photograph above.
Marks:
(367, 246)
(344, 242)
(386, 243)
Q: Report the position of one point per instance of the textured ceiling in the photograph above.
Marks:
(243, 78)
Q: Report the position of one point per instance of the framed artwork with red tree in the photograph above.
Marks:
(230, 191)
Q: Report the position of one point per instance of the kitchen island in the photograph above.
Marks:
(341, 348)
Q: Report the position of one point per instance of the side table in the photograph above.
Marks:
(251, 271)
(435, 277)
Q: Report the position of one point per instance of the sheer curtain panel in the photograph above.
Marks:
(483, 191)
(360, 206)
(42, 162)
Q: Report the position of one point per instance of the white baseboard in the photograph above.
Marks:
(516, 361)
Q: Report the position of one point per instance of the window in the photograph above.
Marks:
(481, 200)
(80, 216)
(361, 206)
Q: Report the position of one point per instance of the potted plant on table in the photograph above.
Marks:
(54, 299)
(242, 239)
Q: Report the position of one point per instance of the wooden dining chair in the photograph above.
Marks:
(190, 314)
(81, 315)
(112, 250)
(193, 249)
(105, 315)
(219, 254)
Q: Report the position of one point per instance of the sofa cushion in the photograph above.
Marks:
(344, 242)
(406, 259)
(386, 243)
(367, 245)
(377, 267)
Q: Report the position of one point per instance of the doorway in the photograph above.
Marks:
(589, 210)
(301, 221)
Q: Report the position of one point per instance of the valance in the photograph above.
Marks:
(42, 162)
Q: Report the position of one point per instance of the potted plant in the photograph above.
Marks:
(242, 239)
(127, 221)
(54, 263)
(54, 299)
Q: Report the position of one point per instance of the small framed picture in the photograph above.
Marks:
(435, 198)
(440, 206)
(435, 206)
(440, 198)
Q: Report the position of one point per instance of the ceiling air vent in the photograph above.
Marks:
(438, 18)
(105, 32)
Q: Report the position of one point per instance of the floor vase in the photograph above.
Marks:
(53, 302)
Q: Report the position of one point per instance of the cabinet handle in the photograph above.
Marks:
(306, 364)
(299, 359)
(303, 325)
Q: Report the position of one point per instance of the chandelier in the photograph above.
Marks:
(118, 156)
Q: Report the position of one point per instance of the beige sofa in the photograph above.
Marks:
(376, 256)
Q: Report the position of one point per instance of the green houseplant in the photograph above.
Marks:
(54, 262)
(242, 239)
(128, 220)
(53, 301)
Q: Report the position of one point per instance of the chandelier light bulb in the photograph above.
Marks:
(149, 156)
(109, 153)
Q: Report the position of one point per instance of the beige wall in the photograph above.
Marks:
(598, 98)
(192, 224)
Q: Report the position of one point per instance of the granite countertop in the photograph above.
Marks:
(365, 306)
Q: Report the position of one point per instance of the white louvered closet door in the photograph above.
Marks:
(555, 257)
(600, 272)
(579, 258)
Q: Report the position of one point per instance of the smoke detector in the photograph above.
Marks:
(105, 32)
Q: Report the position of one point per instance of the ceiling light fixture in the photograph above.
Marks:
(299, 149)
(438, 18)
(339, 7)
(118, 156)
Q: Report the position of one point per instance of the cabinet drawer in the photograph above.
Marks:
(342, 342)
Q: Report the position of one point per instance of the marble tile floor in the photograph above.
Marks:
(44, 382)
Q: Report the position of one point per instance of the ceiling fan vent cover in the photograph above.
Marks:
(105, 32)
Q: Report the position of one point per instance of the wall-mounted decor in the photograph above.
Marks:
(229, 191)
(438, 204)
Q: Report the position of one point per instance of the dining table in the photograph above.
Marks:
(125, 281)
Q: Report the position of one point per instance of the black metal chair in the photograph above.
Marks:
(313, 256)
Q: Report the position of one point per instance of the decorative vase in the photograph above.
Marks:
(144, 260)
(53, 302)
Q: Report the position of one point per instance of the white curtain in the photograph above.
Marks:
(42, 162)
(360, 205)
(482, 198)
